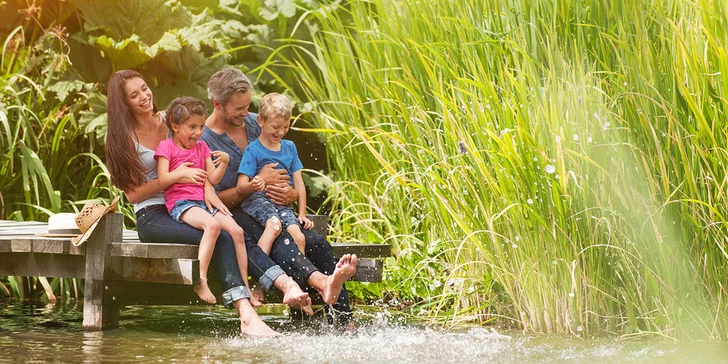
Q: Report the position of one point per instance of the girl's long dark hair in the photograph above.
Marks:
(125, 167)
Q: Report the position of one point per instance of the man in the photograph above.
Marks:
(230, 128)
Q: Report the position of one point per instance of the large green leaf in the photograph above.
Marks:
(147, 19)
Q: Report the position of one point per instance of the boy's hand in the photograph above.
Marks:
(220, 157)
(305, 222)
(258, 183)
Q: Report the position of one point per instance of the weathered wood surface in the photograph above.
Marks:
(100, 312)
(119, 269)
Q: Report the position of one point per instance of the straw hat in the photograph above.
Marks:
(61, 225)
(89, 218)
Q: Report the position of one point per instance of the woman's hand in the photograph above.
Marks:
(211, 200)
(305, 222)
(186, 174)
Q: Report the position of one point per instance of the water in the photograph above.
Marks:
(183, 334)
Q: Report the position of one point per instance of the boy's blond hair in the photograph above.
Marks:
(275, 105)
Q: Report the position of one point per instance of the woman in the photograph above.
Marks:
(134, 131)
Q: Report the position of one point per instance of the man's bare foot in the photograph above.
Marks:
(203, 291)
(294, 297)
(345, 269)
(252, 326)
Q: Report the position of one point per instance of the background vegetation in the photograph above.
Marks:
(556, 165)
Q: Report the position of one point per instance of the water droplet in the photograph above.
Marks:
(607, 125)
(558, 138)
(514, 246)
(283, 214)
(589, 139)
(287, 242)
(529, 201)
(576, 137)
(277, 227)
(571, 294)
(550, 169)
(579, 328)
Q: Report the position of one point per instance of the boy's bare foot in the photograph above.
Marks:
(203, 291)
(252, 326)
(296, 298)
(345, 269)
(255, 303)
(256, 296)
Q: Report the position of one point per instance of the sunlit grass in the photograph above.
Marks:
(558, 163)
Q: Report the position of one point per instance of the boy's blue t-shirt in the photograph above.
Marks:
(256, 156)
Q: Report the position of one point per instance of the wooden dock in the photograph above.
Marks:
(120, 270)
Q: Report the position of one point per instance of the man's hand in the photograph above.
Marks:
(272, 175)
(281, 194)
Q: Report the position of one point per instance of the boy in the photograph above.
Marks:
(274, 114)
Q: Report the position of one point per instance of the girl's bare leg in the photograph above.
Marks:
(236, 232)
(201, 219)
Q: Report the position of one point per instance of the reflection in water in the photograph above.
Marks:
(208, 334)
(92, 343)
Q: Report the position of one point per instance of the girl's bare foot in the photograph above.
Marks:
(203, 291)
(294, 297)
(345, 269)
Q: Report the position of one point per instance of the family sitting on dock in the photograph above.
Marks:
(223, 181)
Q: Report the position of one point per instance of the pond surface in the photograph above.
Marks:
(182, 334)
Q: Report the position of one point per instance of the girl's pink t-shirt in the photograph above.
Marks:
(177, 156)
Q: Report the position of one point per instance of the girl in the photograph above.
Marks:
(185, 118)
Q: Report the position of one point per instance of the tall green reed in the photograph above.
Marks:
(559, 164)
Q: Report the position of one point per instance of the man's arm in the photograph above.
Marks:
(277, 188)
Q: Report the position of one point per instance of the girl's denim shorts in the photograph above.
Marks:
(183, 205)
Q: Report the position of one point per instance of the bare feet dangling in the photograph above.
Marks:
(294, 297)
(203, 291)
(251, 325)
(256, 296)
(345, 269)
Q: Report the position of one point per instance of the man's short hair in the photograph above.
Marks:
(225, 83)
(274, 105)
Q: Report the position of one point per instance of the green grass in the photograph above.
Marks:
(560, 165)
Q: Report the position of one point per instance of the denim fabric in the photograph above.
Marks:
(299, 267)
(183, 205)
(155, 226)
(261, 208)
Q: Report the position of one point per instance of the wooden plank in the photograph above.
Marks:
(187, 251)
(99, 312)
(368, 270)
(42, 265)
(362, 250)
(320, 224)
(172, 271)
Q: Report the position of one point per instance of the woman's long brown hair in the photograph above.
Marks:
(125, 167)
